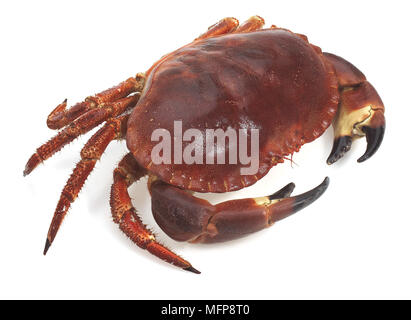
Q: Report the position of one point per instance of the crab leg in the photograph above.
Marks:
(223, 26)
(252, 24)
(90, 154)
(127, 172)
(61, 116)
(361, 111)
(228, 25)
(187, 218)
(80, 126)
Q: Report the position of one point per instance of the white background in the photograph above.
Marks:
(352, 243)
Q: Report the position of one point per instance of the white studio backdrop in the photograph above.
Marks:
(354, 242)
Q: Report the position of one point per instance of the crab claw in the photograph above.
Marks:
(374, 139)
(305, 199)
(361, 114)
(283, 193)
(287, 206)
(237, 218)
(183, 217)
(340, 147)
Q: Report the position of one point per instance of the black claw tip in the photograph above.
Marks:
(374, 140)
(47, 246)
(305, 199)
(193, 270)
(340, 147)
(283, 193)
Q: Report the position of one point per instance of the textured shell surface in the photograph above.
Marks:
(272, 80)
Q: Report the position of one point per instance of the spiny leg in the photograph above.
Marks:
(80, 126)
(128, 172)
(90, 154)
(360, 113)
(61, 116)
(186, 218)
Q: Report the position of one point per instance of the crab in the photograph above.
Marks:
(231, 76)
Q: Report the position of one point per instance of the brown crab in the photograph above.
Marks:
(231, 76)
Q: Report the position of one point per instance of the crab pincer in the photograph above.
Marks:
(361, 111)
(183, 217)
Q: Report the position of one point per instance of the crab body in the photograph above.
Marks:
(238, 77)
(271, 80)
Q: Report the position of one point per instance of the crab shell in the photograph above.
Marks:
(272, 80)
